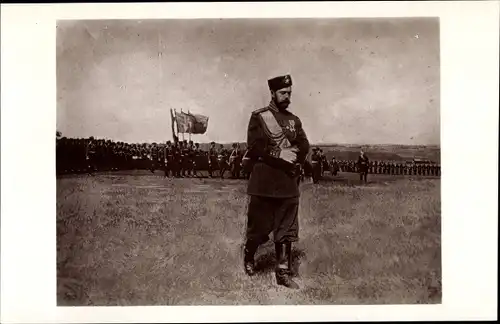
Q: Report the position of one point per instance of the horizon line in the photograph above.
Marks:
(231, 142)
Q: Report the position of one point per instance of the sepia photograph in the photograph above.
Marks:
(248, 162)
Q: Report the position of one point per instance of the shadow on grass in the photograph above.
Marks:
(267, 261)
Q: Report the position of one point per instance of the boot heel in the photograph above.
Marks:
(283, 279)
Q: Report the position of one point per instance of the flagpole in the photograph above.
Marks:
(176, 137)
(172, 124)
(189, 128)
(183, 123)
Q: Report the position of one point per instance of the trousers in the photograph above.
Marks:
(272, 215)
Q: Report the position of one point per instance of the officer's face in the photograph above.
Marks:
(282, 97)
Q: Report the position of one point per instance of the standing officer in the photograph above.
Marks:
(276, 142)
(334, 166)
(323, 162)
(363, 166)
(316, 164)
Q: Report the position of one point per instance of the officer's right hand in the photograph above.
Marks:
(289, 154)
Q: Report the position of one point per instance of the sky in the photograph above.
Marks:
(355, 81)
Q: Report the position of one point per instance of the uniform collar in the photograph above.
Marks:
(273, 106)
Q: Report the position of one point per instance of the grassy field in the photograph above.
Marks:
(140, 239)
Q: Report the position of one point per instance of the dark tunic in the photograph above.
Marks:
(273, 185)
(363, 164)
(272, 176)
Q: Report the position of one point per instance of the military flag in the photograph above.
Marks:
(183, 122)
(199, 124)
(173, 121)
(191, 123)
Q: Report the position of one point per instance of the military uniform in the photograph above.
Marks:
(212, 159)
(222, 158)
(184, 158)
(363, 167)
(190, 153)
(167, 155)
(334, 167)
(316, 165)
(246, 165)
(195, 156)
(273, 185)
(235, 162)
(172, 159)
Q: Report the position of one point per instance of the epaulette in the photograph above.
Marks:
(258, 111)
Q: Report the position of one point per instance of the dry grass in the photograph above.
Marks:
(143, 240)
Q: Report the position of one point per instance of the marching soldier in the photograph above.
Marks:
(196, 154)
(222, 159)
(235, 161)
(184, 159)
(189, 160)
(363, 166)
(153, 157)
(180, 159)
(168, 158)
(212, 159)
(276, 142)
(246, 165)
(222, 151)
(176, 158)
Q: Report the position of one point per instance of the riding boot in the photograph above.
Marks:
(249, 254)
(284, 265)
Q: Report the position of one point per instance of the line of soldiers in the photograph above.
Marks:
(320, 164)
(178, 159)
(395, 168)
(186, 159)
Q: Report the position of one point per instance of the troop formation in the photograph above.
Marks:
(178, 159)
(363, 165)
(187, 159)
